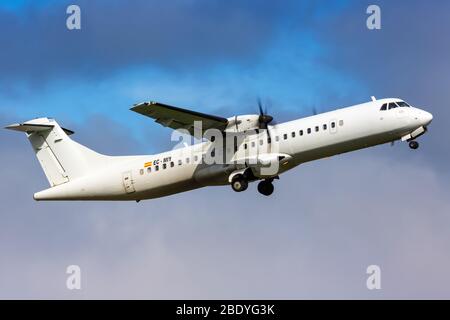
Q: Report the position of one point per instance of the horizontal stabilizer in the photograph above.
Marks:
(33, 127)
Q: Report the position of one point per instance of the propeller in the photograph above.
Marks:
(264, 119)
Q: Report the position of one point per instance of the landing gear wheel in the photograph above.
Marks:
(265, 187)
(239, 184)
(413, 145)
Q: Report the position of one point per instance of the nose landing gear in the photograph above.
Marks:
(413, 145)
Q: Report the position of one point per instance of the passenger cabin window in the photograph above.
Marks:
(156, 168)
(301, 132)
(324, 127)
(333, 124)
(293, 134)
(180, 162)
(383, 107)
(317, 128)
(392, 105)
(195, 158)
(285, 136)
(261, 142)
(341, 122)
(309, 130)
(141, 171)
(149, 169)
(245, 146)
(172, 164)
(277, 138)
(164, 165)
(253, 144)
(188, 160)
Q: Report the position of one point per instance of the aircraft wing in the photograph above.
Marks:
(178, 118)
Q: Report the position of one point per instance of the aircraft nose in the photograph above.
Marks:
(427, 118)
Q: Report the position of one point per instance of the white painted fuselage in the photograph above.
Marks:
(303, 140)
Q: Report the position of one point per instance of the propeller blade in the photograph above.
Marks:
(261, 112)
(264, 118)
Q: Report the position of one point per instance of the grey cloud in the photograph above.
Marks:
(175, 34)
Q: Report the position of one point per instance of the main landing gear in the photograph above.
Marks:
(413, 145)
(265, 187)
(240, 184)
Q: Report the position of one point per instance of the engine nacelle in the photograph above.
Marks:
(243, 123)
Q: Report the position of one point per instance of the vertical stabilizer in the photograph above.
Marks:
(61, 158)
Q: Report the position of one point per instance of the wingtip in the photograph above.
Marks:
(68, 131)
(12, 126)
(141, 104)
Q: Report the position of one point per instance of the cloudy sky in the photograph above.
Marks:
(327, 220)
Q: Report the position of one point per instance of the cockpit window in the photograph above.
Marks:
(403, 104)
(392, 105)
(383, 107)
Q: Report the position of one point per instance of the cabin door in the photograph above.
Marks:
(128, 182)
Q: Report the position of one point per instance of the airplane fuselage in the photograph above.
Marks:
(303, 140)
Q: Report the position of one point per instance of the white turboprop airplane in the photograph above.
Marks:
(258, 150)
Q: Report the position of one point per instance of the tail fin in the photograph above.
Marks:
(61, 158)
